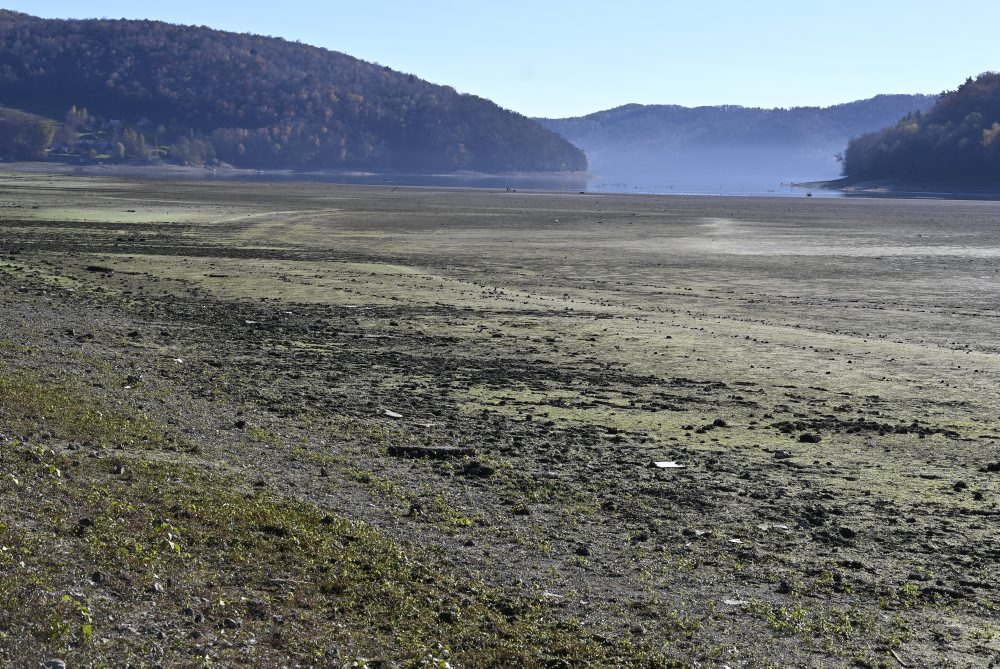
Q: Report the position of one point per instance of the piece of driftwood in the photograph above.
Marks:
(432, 452)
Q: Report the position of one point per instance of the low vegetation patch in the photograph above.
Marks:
(106, 557)
(30, 403)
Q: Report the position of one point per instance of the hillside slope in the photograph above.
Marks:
(259, 101)
(957, 140)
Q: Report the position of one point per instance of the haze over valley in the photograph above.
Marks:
(724, 149)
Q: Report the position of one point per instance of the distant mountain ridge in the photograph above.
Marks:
(197, 94)
(727, 140)
(709, 126)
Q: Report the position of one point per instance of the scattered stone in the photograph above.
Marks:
(83, 525)
(240, 424)
(933, 591)
(391, 414)
(718, 422)
(809, 438)
(257, 609)
(448, 616)
(848, 533)
(100, 269)
(232, 623)
(782, 455)
(784, 588)
(582, 550)
(960, 486)
(772, 526)
(477, 469)
(54, 663)
(668, 464)
(993, 467)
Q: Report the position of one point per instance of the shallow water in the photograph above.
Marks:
(763, 186)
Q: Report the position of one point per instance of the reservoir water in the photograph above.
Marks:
(678, 184)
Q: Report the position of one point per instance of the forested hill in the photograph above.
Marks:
(957, 140)
(195, 94)
(733, 125)
(727, 143)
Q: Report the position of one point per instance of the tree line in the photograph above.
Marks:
(24, 136)
(958, 139)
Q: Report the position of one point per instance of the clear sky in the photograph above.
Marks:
(564, 58)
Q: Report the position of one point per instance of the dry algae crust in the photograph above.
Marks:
(307, 425)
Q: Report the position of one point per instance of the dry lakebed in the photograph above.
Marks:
(293, 425)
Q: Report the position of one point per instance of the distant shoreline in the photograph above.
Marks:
(159, 171)
(908, 189)
(167, 171)
(528, 181)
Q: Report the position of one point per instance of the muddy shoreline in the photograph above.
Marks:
(492, 378)
(551, 181)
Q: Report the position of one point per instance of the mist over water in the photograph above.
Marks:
(727, 149)
(767, 172)
(715, 172)
(697, 175)
(707, 184)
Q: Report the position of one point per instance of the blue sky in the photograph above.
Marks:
(558, 58)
